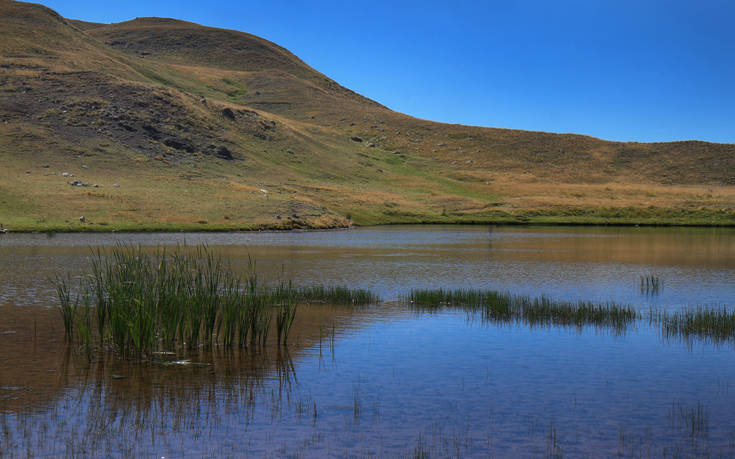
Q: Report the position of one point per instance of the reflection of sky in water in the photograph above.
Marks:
(493, 381)
(459, 387)
(697, 266)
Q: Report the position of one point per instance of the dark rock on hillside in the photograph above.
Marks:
(178, 144)
(153, 133)
(225, 153)
(228, 113)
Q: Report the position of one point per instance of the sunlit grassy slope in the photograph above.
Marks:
(182, 126)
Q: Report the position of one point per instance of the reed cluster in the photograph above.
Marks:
(136, 302)
(542, 311)
(707, 324)
(651, 284)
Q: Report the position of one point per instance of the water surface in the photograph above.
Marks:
(385, 380)
(697, 265)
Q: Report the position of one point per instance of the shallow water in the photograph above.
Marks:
(384, 380)
(696, 265)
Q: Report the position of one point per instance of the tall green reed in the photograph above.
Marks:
(286, 311)
(67, 306)
(146, 300)
(651, 284)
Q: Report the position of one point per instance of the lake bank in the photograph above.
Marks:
(569, 217)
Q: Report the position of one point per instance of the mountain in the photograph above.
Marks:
(183, 126)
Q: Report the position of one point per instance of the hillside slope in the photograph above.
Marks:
(185, 126)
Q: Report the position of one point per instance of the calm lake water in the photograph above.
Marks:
(384, 380)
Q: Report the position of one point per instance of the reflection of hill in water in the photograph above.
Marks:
(433, 382)
(38, 367)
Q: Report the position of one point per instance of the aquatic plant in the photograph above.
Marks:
(651, 284)
(140, 301)
(708, 324)
(66, 306)
(703, 323)
(286, 311)
(505, 307)
(335, 295)
(694, 421)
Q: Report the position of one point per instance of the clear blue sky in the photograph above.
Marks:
(619, 69)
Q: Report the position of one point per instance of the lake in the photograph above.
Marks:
(389, 380)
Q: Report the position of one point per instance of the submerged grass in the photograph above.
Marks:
(707, 324)
(504, 307)
(138, 302)
(651, 284)
(335, 295)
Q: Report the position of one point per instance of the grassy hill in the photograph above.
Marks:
(182, 126)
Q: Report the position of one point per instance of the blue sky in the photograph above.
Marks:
(620, 70)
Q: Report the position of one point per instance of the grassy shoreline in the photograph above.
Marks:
(715, 220)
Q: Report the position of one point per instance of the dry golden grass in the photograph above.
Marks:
(192, 134)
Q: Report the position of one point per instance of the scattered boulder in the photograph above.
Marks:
(152, 131)
(228, 113)
(66, 174)
(179, 145)
(369, 144)
(82, 219)
(225, 153)
(116, 185)
(356, 139)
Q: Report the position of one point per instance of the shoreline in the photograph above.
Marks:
(519, 222)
